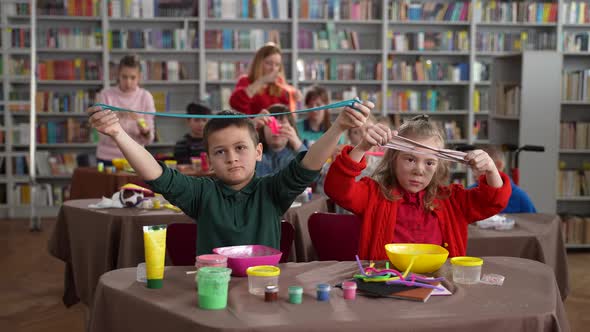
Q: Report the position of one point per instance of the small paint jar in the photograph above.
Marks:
(100, 166)
(271, 293)
(323, 292)
(295, 294)
(349, 289)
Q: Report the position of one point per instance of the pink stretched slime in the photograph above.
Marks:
(274, 125)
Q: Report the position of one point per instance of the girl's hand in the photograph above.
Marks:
(105, 121)
(261, 121)
(377, 134)
(290, 133)
(480, 162)
(352, 118)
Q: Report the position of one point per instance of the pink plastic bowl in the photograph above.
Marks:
(240, 258)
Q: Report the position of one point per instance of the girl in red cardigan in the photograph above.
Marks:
(406, 200)
(265, 84)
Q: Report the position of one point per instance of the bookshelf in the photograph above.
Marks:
(363, 42)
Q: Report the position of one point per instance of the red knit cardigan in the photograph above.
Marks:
(378, 214)
(240, 101)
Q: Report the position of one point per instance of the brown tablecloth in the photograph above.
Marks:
(94, 241)
(528, 301)
(88, 182)
(535, 236)
(303, 249)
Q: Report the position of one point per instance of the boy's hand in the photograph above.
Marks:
(480, 162)
(377, 134)
(352, 118)
(105, 121)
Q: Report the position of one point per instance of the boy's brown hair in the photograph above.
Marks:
(215, 125)
(416, 128)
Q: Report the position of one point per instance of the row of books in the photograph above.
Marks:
(56, 131)
(508, 99)
(575, 85)
(499, 41)
(19, 66)
(48, 163)
(69, 7)
(516, 11)
(171, 70)
(226, 70)
(241, 39)
(340, 9)
(452, 129)
(256, 9)
(480, 129)
(576, 229)
(72, 69)
(574, 135)
(64, 102)
(481, 100)
(152, 8)
(573, 182)
(329, 39)
(178, 39)
(576, 12)
(20, 38)
(576, 41)
(427, 70)
(70, 38)
(335, 69)
(432, 100)
(429, 41)
(406, 10)
(47, 194)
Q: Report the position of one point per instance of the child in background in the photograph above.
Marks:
(235, 207)
(127, 94)
(278, 149)
(407, 200)
(519, 202)
(316, 123)
(192, 144)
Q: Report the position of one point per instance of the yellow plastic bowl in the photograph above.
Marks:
(427, 257)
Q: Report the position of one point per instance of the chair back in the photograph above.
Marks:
(181, 243)
(334, 236)
(287, 237)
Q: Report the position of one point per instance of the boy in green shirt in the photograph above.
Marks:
(235, 207)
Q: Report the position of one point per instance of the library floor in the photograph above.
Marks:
(32, 284)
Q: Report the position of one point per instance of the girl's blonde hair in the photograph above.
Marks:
(417, 128)
(256, 68)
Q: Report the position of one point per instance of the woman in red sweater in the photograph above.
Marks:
(265, 84)
(406, 200)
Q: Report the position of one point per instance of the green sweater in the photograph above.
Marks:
(226, 217)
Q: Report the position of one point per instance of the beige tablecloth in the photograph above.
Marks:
(535, 236)
(528, 301)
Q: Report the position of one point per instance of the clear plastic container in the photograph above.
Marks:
(466, 270)
(261, 276)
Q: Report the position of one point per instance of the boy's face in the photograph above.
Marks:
(233, 156)
(197, 127)
(415, 171)
(128, 78)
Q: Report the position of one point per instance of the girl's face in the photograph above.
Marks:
(316, 116)
(415, 171)
(355, 135)
(128, 78)
(277, 142)
(271, 64)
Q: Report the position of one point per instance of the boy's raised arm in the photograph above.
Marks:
(107, 122)
(323, 149)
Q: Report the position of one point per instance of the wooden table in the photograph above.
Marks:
(527, 301)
